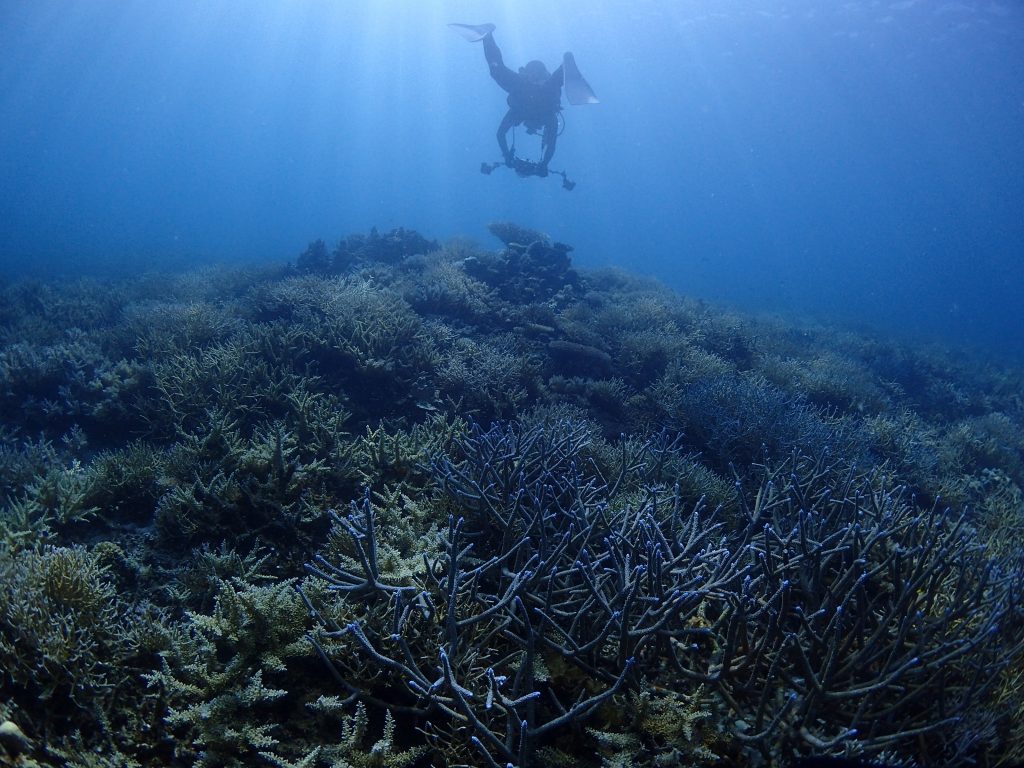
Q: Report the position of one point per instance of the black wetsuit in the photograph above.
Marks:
(535, 105)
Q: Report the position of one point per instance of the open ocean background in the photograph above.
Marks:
(857, 161)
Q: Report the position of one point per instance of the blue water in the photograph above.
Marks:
(858, 161)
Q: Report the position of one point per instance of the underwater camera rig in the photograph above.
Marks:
(526, 168)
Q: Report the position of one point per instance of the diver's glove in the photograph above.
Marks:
(541, 170)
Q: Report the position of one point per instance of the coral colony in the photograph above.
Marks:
(411, 504)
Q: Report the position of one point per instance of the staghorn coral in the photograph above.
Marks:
(998, 511)
(873, 606)
(49, 388)
(608, 400)
(558, 577)
(236, 407)
(667, 729)
(735, 418)
(680, 727)
(402, 456)
(490, 378)
(820, 622)
(991, 441)
(231, 378)
(222, 485)
(200, 580)
(213, 676)
(438, 285)
(830, 380)
(361, 337)
(56, 499)
(71, 649)
(157, 329)
(353, 750)
(404, 532)
(128, 481)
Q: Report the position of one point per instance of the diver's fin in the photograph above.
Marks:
(577, 90)
(473, 32)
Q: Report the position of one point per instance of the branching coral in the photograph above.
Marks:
(697, 537)
(353, 749)
(213, 678)
(59, 497)
(68, 646)
(540, 569)
(883, 621)
(50, 388)
(833, 616)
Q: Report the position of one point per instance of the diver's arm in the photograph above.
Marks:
(550, 139)
(507, 123)
(555, 80)
(502, 75)
(553, 85)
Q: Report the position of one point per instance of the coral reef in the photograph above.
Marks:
(213, 677)
(357, 251)
(530, 269)
(408, 503)
(865, 605)
(73, 650)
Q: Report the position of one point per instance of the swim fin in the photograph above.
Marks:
(473, 32)
(577, 90)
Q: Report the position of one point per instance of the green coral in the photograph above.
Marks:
(353, 750)
(70, 646)
(679, 728)
(224, 484)
(213, 677)
(195, 429)
(59, 497)
(401, 456)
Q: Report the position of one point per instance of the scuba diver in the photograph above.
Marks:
(534, 101)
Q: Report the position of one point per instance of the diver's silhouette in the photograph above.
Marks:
(534, 101)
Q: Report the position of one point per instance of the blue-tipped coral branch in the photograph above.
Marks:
(833, 617)
(541, 566)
